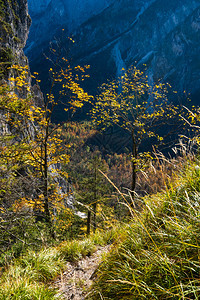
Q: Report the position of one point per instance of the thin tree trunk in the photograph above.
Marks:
(95, 213)
(95, 196)
(134, 167)
(88, 222)
(46, 200)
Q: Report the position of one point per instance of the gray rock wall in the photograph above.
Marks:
(14, 28)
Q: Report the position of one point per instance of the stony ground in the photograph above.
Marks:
(75, 281)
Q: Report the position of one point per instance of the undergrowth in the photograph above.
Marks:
(156, 256)
(30, 276)
(159, 253)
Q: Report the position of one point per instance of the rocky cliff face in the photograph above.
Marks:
(164, 36)
(14, 28)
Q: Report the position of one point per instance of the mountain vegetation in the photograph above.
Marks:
(157, 256)
(125, 180)
(157, 232)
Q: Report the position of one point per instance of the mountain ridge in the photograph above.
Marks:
(125, 33)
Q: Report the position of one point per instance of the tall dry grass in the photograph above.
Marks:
(158, 255)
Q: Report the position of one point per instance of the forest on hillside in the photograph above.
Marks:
(118, 173)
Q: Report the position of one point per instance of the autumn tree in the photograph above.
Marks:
(13, 111)
(139, 108)
(15, 102)
(30, 128)
(48, 153)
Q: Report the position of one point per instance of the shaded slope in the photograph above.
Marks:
(163, 36)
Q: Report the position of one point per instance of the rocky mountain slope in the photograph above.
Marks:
(116, 34)
(14, 28)
(51, 15)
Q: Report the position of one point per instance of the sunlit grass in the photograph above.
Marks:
(44, 266)
(20, 283)
(30, 276)
(158, 254)
(74, 250)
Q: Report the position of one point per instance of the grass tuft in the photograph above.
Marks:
(18, 283)
(74, 250)
(44, 266)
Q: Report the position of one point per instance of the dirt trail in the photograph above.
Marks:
(74, 283)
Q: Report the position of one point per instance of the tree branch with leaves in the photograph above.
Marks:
(139, 108)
